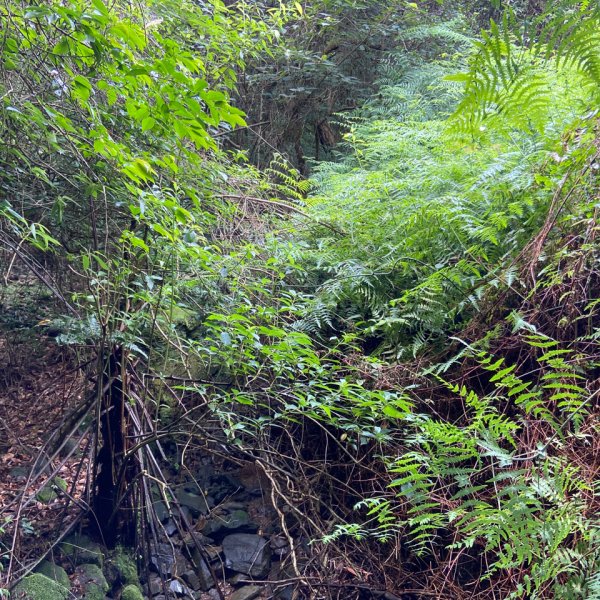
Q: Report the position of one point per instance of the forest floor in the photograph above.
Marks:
(38, 387)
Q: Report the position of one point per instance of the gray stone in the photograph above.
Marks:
(197, 504)
(203, 573)
(192, 540)
(210, 554)
(247, 553)
(223, 485)
(81, 549)
(162, 512)
(214, 594)
(170, 527)
(233, 505)
(69, 447)
(167, 561)
(191, 579)
(154, 586)
(213, 552)
(285, 593)
(183, 513)
(248, 592)
(19, 472)
(91, 580)
(235, 521)
(237, 579)
(176, 588)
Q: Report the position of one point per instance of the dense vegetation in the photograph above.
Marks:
(351, 242)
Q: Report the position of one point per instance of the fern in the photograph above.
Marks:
(515, 82)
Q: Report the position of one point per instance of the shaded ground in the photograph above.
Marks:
(39, 488)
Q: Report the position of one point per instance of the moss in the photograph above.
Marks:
(39, 587)
(124, 567)
(54, 572)
(46, 495)
(131, 592)
(92, 582)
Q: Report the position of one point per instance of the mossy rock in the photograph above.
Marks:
(81, 549)
(131, 592)
(50, 491)
(91, 581)
(121, 568)
(54, 572)
(39, 587)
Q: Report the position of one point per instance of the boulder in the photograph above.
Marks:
(54, 572)
(81, 549)
(166, 561)
(131, 592)
(197, 503)
(247, 553)
(121, 568)
(236, 521)
(203, 572)
(51, 490)
(191, 579)
(248, 592)
(90, 580)
(175, 587)
(161, 510)
(170, 527)
(39, 587)
(223, 485)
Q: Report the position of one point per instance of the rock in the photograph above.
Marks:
(166, 561)
(39, 587)
(121, 568)
(131, 592)
(279, 546)
(51, 490)
(91, 581)
(213, 552)
(248, 592)
(19, 473)
(223, 485)
(170, 527)
(233, 505)
(161, 510)
(191, 579)
(237, 579)
(285, 593)
(214, 594)
(192, 540)
(197, 504)
(247, 553)
(54, 572)
(81, 549)
(154, 586)
(203, 474)
(176, 588)
(235, 521)
(69, 447)
(183, 513)
(280, 571)
(203, 572)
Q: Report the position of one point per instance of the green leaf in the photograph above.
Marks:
(148, 123)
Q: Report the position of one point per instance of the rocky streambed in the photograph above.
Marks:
(218, 538)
